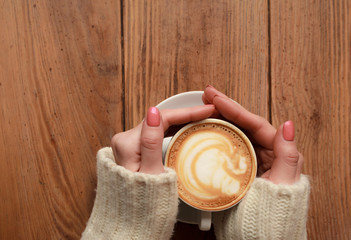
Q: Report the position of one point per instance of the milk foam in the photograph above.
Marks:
(211, 165)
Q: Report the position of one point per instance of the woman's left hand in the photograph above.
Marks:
(140, 149)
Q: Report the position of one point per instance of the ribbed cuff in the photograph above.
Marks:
(268, 211)
(132, 205)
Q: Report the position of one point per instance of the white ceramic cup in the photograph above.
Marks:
(187, 213)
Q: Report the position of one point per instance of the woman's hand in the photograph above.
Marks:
(277, 155)
(140, 149)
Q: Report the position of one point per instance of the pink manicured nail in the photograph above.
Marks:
(289, 131)
(153, 117)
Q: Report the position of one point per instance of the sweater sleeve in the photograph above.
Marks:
(268, 211)
(131, 205)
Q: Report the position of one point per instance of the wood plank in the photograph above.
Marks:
(61, 100)
(176, 46)
(311, 80)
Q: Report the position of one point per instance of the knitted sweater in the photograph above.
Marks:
(141, 206)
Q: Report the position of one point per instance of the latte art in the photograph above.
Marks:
(211, 165)
(214, 165)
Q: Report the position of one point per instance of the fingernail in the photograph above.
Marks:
(289, 131)
(153, 117)
(210, 86)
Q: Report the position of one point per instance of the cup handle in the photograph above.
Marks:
(204, 220)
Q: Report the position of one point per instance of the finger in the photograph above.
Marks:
(204, 100)
(259, 128)
(264, 159)
(172, 117)
(151, 138)
(121, 149)
(299, 166)
(210, 92)
(285, 167)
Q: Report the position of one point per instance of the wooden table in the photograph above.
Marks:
(73, 73)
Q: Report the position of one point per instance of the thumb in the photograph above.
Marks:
(151, 139)
(285, 167)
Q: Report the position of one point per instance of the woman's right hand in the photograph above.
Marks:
(278, 158)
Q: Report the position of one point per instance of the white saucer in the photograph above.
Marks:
(182, 100)
(186, 213)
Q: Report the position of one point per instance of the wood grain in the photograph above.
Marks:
(61, 100)
(311, 84)
(176, 46)
(72, 73)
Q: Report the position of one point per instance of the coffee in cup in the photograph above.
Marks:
(215, 164)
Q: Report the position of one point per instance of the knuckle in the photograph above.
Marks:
(149, 142)
(261, 123)
(117, 140)
(292, 157)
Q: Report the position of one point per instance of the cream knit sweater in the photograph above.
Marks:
(142, 206)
